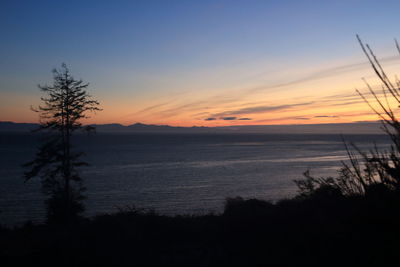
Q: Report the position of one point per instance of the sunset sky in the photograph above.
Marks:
(199, 63)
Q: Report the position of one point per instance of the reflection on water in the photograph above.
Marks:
(176, 173)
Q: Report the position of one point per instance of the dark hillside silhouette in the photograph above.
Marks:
(324, 229)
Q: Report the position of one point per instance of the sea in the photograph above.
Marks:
(186, 174)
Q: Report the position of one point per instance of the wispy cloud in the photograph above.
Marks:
(227, 119)
(261, 109)
(326, 73)
(156, 106)
(210, 119)
(232, 103)
(326, 116)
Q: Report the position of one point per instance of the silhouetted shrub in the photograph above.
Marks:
(376, 172)
(238, 207)
(57, 210)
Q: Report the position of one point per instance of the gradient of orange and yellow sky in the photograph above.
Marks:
(204, 63)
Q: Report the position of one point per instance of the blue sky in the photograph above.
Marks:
(140, 54)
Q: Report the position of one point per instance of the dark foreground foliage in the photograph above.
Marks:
(322, 229)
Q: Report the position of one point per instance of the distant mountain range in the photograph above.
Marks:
(331, 128)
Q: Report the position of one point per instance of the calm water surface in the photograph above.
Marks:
(175, 173)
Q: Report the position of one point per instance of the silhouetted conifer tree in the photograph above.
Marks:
(66, 103)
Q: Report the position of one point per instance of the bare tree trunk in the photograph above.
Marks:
(67, 153)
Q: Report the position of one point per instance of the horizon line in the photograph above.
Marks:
(221, 126)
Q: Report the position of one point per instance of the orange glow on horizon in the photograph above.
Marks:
(320, 97)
